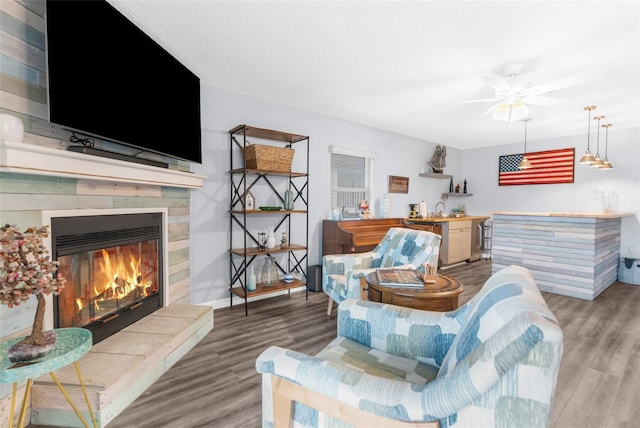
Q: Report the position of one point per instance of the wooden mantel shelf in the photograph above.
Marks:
(24, 158)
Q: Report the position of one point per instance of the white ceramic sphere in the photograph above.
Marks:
(11, 128)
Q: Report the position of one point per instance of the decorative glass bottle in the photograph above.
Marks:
(288, 200)
(385, 206)
(271, 238)
(269, 276)
(251, 280)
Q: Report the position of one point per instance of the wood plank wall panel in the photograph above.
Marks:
(22, 197)
(23, 84)
(571, 256)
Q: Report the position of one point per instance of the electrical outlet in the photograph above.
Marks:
(632, 249)
(596, 193)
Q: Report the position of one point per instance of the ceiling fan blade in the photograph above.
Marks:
(497, 83)
(576, 79)
(484, 100)
(543, 101)
(490, 110)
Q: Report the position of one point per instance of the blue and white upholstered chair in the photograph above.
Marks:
(399, 248)
(491, 363)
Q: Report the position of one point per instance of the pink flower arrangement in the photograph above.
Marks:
(25, 266)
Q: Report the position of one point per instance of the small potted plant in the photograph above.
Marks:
(26, 269)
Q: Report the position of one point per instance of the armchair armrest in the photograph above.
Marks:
(410, 333)
(342, 263)
(388, 398)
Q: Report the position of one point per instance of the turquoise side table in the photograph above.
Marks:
(71, 345)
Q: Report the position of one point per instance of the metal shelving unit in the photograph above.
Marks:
(241, 181)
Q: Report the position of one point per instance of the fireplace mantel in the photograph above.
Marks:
(23, 158)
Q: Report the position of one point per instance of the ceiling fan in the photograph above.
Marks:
(511, 92)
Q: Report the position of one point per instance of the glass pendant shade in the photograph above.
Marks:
(519, 110)
(524, 163)
(502, 112)
(598, 162)
(588, 158)
(606, 164)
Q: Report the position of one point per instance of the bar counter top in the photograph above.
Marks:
(445, 219)
(576, 215)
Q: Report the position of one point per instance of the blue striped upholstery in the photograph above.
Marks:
(491, 363)
(400, 247)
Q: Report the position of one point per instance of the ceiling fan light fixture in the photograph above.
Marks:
(502, 112)
(519, 110)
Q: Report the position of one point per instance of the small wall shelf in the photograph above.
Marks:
(434, 175)
(459, 194)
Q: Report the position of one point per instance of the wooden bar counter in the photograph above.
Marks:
(573, 254)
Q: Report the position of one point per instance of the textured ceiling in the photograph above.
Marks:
(399, 65)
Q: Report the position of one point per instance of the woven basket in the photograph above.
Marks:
(268, 158)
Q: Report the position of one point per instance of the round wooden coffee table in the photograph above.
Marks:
(441, 296)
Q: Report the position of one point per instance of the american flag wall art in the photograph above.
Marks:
(548, 167)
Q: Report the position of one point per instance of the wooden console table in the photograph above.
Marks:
(441, 296)
(71, 344)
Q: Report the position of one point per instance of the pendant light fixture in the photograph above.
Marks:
(598, 160)
(607, 164)
(588, 158)
(524, 163)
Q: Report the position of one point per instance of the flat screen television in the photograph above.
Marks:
(108, 79)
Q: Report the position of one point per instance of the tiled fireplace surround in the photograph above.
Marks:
(39, 181)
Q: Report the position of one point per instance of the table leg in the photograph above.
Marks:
(86, 396)
(13, 403)
(23, 410)
(75, 409)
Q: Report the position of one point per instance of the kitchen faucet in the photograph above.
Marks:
(443, 208)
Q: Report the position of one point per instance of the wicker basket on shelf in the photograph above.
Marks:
(268, 158)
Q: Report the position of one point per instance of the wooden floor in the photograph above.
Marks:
(216, 385)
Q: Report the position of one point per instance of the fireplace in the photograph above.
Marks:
(114, 270)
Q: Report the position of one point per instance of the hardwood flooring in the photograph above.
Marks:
(216, 385)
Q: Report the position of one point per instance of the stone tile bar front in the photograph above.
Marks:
(573, 254)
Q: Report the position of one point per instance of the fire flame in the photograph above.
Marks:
(121, 280)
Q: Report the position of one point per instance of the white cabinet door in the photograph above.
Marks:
(458, 246)
(465, 244)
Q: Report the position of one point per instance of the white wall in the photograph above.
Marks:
(222, 110)
(398, 155)
(481, 168)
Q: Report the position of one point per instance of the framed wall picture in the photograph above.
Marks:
(398, 184)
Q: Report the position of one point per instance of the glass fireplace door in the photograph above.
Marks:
(106, 281)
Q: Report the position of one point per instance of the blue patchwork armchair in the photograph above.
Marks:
(400, 248)
(491, 363)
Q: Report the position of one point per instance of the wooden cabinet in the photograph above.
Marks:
(355, 236)
(456, 245)
(246, 222)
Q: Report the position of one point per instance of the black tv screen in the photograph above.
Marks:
(108, 79)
